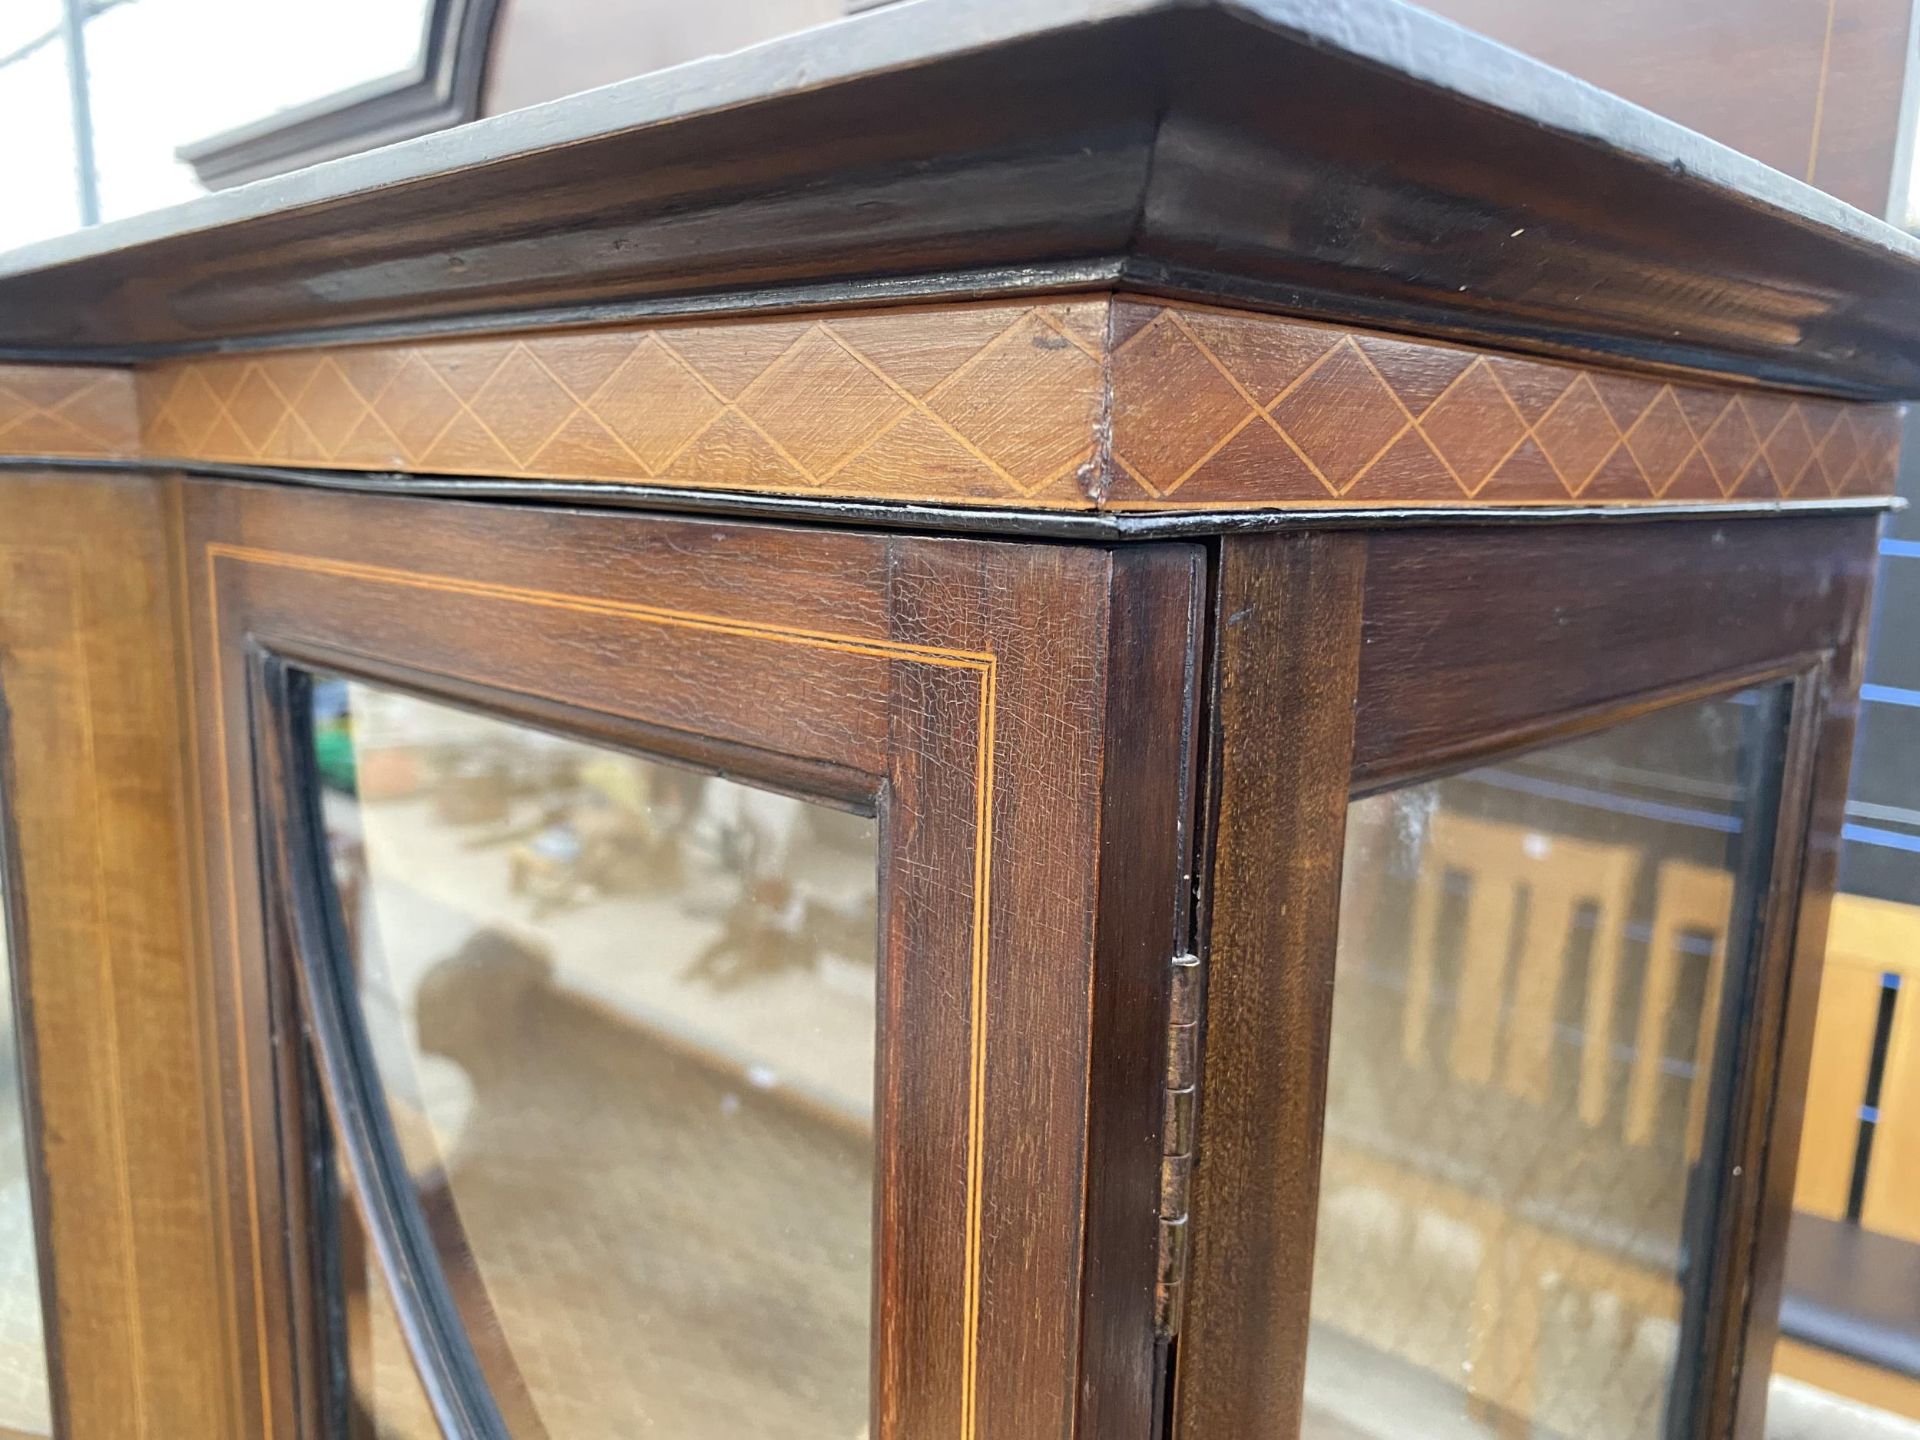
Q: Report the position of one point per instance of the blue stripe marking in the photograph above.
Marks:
(1891, 695)
(1904, 549)
(1688, 944)
(1874, 835)
(1600, 800)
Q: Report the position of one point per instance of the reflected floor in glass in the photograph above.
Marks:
(1798, 1411)
(1527, 1001)
(625, 1016)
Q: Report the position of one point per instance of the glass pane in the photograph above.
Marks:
(29, 25)
(387, 1401)
(24, 1406)
(39, 186)
(166, 73)
(1528, 996)
(625, 1018)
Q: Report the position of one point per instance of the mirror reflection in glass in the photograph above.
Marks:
(624, 1015)
(1536, 958)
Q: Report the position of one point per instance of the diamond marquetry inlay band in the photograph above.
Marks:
(1079, 403)
(1220, 408)
(982, 402)
(72, 411)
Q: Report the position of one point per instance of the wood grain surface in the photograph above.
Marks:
(1725, 599)
(68, 411)
(98, 799)
(1408, 174)
(1287, 646)
(992, 402)
(1813, 88)
(1800, 908)
(1228, 408)
(1347, 660)
(965, 689)
(1080, 404)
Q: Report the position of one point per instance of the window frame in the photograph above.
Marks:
(440, 89)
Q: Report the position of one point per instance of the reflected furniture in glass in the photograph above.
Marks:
(604, 994)
(1515, 1198)
(1157, 756)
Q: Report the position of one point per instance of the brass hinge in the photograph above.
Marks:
(1176, 1149)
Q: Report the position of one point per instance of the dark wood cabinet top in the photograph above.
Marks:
(1357, 160)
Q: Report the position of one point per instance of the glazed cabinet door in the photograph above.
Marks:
(1509, 966)
(665, 968)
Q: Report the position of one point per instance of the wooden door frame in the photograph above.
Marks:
(912, 671)
(120, 1130)
(1349, 663)
(1802, 901)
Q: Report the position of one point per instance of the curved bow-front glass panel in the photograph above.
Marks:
(1540, 961)
(623, 1015)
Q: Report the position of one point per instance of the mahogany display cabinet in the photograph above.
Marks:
(1017, 720)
